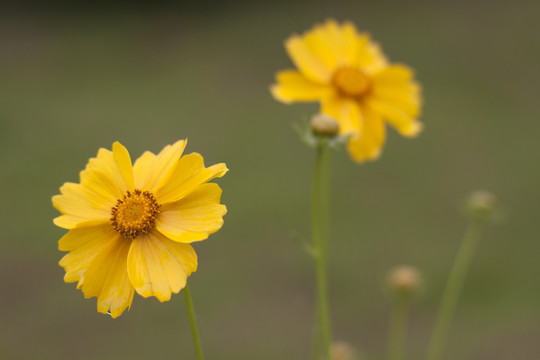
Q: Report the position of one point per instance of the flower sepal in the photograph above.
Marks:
(321, 131)
(305, 244)
(482, 206)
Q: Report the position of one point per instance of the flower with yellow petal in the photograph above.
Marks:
(354, 82)
(130, 226)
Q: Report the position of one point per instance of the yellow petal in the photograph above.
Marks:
(394, 75)
(140, 169)
(349, 43)
(293, 86)
(324, 48)
(347, 112)
(370, 57)
(396, 87)
(102, 184)
(158, 171)
(335, 44)
(123, 161)
(104, 161)
(79, 201)
(188, 174)
(107, 278)
(405, 124)
(70, 221)
(84, 244)
(407, 100)
(321, 42)
(309, 64)
(194, 217)
(158, 266)
(79, 236)
(367, 145)
(396, 96)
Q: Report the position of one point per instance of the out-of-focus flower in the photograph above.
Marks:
(130, 226)
(340, 350)
(354, 82)
(481, 205)
(404, 279)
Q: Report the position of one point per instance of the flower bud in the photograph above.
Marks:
(404, 279)
(324, 125)
(481, 205)
(340, 350)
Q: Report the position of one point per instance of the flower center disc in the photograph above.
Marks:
(135, 213)
(351, 82)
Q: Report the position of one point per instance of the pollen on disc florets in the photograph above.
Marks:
(135, 213)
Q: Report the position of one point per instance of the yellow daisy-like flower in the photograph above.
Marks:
(354, 82)
(130, 226)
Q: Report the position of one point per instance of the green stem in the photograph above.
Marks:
(319, 223)
(453, 290)
(194, 331)
(397, 335)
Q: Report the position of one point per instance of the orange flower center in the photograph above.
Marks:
(135, 213)
(351, 82)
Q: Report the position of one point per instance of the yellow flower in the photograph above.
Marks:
(130, 226)
(354, 82)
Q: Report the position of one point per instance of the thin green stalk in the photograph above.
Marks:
(193, 322)
(453, 290)
(397, 335)
(319, 223)
(325, 194)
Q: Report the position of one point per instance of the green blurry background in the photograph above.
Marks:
(76, 79)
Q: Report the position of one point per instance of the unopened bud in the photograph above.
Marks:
(404, 279)
(340, 350)
(481, 204)
(324, 125)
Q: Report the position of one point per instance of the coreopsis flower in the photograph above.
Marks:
(130, 227)
(354, 82)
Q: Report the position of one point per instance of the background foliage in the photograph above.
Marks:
(74, 80)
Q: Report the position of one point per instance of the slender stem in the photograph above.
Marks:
(326, 172)
(194, 331)
(453, 290)
(397, 335)
(319, 223)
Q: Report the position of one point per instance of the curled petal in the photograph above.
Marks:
(188, 174)
(194, 217)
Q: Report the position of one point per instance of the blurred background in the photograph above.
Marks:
(74, 79)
